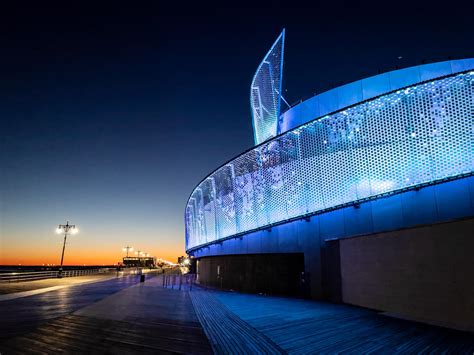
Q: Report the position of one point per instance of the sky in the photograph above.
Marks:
(111, 114)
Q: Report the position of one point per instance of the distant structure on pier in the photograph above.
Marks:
(139, 261)
(362, 194)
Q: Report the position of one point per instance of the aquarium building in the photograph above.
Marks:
(363, 194)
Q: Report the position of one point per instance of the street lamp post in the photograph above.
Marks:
(65, 228)
(140, 254)
(127, 248)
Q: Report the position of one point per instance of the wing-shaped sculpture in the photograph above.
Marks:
(265, 92)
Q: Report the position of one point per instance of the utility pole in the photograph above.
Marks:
(65, 228)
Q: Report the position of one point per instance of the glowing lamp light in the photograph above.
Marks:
(58, 230)
(75, 230)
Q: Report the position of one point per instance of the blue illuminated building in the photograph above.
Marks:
(390, 152)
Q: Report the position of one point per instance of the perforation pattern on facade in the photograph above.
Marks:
(265, 92)
(414, 136)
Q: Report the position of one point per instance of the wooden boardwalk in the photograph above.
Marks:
(303, 326)
(227, 333)
(96, 318)
(20, 316)
(122, 316)
(84, 335)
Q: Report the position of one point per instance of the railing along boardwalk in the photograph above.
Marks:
(179, 282)
(40, 275)
(227, 333)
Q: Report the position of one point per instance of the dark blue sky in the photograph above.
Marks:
(112, 114)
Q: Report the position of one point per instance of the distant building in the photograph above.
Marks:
(362, 194)
(135, 261)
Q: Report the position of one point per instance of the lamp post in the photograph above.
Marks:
(65, 228)
(127, 248)
(140, 254)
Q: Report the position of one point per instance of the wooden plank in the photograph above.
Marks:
(161, 321)
(304, 326)
(227, 332)
(22, 315)
(80, 334)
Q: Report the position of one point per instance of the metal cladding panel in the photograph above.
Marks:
(265, 92)
(328, 102)
(460, 65)
(411, 137)
(434, 70)
(298, 114)
(366, 89)
(349, 94)
(375, 86)
(404, 77)
(453, 196)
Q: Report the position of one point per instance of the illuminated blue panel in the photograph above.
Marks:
(419, 135)
(265, 92)
(369, 88)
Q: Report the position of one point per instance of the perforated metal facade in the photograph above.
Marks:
(265, 92)
(400, 140)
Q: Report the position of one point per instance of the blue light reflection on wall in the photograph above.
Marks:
(413, 136)
(265, 92)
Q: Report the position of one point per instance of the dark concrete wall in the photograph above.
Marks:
(331, 271)
(274, 274)
(424, 273)
(297, 237)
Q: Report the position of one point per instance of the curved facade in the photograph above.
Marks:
(416, 135)
(363, 194)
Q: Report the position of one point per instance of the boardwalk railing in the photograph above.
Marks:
(39, 275)
(179, 281)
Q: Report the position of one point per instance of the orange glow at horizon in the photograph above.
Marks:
(83, 249)
(75, 259)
